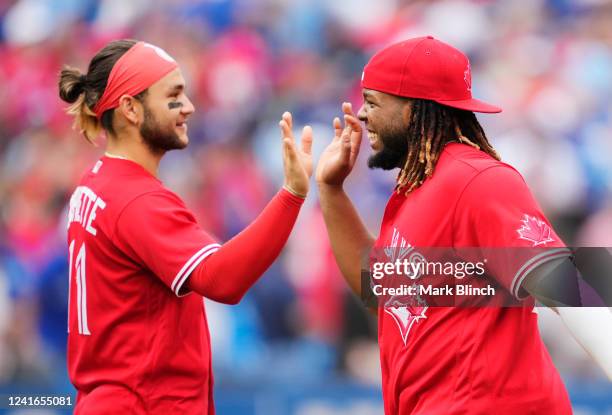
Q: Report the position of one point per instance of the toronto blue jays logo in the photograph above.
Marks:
(405, 317)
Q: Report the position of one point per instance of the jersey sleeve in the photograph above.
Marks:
(157, 231)
(497, 213)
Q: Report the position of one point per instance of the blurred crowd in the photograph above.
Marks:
(547, 63)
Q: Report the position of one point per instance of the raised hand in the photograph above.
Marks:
(338, 159)
(297, 163)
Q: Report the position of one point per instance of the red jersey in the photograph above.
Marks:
(445, 360)
(138, 341)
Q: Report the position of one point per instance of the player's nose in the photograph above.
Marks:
(188, 108)
(361, 114)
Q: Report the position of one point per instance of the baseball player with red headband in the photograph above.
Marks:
(140, 264)
(452, 191)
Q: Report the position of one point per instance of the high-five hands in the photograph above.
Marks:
(297, 163)
(338, 159)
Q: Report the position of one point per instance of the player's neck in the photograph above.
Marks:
(134, 151)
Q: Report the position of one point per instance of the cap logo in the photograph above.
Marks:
(467, 77)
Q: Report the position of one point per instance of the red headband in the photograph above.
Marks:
(139, 68)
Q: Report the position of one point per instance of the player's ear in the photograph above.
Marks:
(131, 109)
(406, 110)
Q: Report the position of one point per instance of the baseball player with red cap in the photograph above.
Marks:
(452, 191)
(138, 340)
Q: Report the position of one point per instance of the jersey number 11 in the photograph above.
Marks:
(78, 265)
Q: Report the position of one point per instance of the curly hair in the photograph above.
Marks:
(437, 125)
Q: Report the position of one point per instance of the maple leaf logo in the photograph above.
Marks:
(405, 317)
(535, 231)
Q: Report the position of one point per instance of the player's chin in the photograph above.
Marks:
(182, 137)
(384, 159)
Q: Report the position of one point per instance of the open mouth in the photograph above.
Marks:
(182, 125)
(375, 142)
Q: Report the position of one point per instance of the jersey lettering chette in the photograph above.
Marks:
(138, 340)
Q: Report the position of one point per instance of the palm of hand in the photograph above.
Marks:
(297, 162)
(305, 162)
(339, 157)
(330, 163)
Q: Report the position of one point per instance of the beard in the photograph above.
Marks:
(395, 149)
(157, 137)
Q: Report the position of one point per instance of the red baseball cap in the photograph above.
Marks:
(424, 68)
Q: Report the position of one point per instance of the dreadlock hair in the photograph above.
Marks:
(83, 91)
(435, 125)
